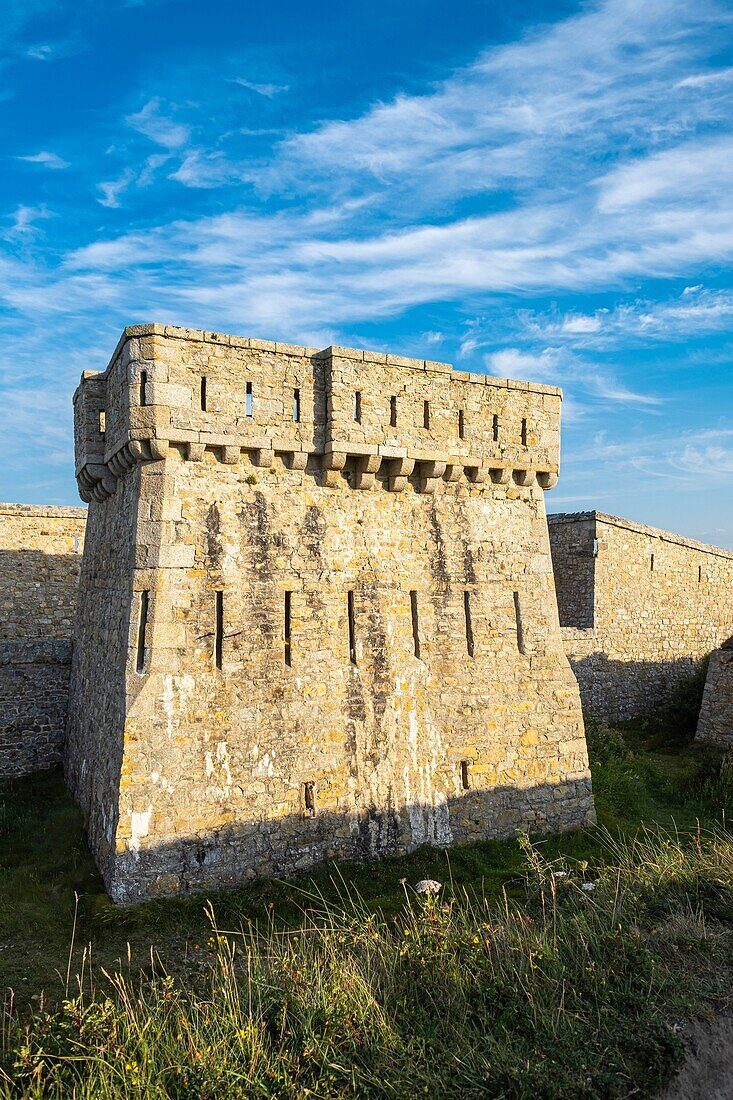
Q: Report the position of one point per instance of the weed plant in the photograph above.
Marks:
(565, 993)
(544, 969)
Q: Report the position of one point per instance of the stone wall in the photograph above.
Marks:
(716, 713)
(40, 554)
(330, 574)
(640, 608)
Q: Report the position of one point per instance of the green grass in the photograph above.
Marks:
(517, 982)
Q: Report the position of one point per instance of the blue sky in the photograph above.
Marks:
(542, 191)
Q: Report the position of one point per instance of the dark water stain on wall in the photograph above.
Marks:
(438, 557)
(212, 529)
(313, 531)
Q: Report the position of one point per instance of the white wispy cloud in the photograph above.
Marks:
(557, 366)
(157, 126)
(111, 190)
(23, 221)
(704, 80)
(266, 90)
(696, 312)
(46, 159)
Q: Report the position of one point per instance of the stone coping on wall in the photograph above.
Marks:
(555, 518)
(359, 355)
(43, 511)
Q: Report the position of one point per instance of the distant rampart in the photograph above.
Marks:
(40, 555)
(639, 609)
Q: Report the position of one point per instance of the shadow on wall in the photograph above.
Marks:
(615, 691)
(39, 593)
(243, 850)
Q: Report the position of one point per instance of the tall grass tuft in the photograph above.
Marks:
(566, 991)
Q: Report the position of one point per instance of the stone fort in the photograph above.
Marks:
(317, 615)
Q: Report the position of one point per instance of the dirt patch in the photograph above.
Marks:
(708, 1070)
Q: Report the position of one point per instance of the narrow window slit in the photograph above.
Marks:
(699, 574)
(248, 400)
(357, 407)
(465, 781)
(651, 564)
(143, 384)
(286, 629)
(393, 412)
(219, 629)
(524, 431)
(102, 421)
(142, 626)
(461, 425)
(495, 428)
(203, 393)
(308, 796)
(352, 627)
(296, 405)
(519, 623)
(415, 623)
(426, 414)
(469, 622)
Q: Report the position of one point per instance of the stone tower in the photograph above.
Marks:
(317, 614)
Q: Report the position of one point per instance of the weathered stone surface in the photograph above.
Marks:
(639, 608)
(716, 713)
(40, 554)
(273, 666)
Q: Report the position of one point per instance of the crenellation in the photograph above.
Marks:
(155, 401)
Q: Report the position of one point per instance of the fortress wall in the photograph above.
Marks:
(661, 603)
(342, 637)
(573, 547)
(715, 723)
(40, 554)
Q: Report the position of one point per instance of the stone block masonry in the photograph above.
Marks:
(317, 616)
(639, 609)
(40, 556)
(715, 723)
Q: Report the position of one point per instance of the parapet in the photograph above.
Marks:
(321, 409)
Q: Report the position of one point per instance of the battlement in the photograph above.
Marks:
(341, 413)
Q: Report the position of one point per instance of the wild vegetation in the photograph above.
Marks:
(549, 968)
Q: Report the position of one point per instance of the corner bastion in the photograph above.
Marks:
(317, 615)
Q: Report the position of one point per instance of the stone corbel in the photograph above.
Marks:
(477, 474)
(159, 449)
(546, 479)
(524, 477)
(453, 471)
(500, 475)
(195, 452)
(100, 479)
(296, 460)
(430, 475)
(333, 464)
(263, 456)
(399, 471)
(367, 468)
(230, 455)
